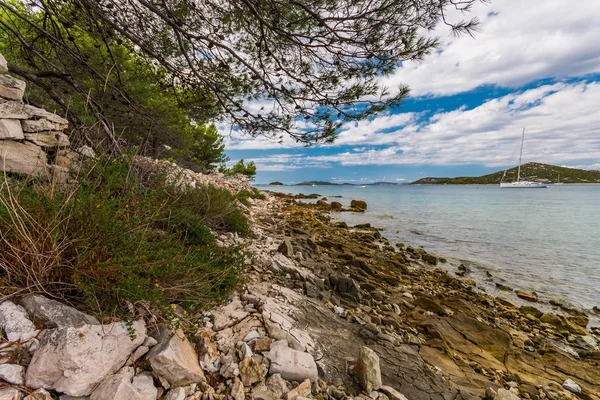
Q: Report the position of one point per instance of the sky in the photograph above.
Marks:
(533, 65)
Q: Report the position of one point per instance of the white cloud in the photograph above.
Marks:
(518, 42)
(562, 127)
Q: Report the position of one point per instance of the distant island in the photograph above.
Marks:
(531, 171)
(276, 184)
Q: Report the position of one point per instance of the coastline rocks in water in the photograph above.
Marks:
(174, 360)
(116, 387)
(429, 259)
(358, 205)
(336, 206)
(562, 323)
(60, 364)
(527, 295)
(367, 370)
(54, 314)
(15, 322)
(462, 270)
(292, 365)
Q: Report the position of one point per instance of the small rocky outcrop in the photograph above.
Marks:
(358, 205)
(54, 314)
(367, 370)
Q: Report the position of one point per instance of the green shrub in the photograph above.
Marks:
(115, 238)
(244, 194)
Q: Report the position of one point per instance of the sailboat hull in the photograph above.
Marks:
(522, 185)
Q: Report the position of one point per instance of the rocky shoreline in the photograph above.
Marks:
(327, 312)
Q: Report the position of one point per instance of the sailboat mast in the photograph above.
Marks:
(520, 156)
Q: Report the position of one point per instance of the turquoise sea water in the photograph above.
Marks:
(542, 240)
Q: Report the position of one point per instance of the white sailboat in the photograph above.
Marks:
(558, 182)
(519, 184)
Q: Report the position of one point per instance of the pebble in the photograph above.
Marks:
(571, 386)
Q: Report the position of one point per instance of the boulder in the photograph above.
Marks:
(10, 393)
(11, 129)
(14, 110)
(11, 88)
(292, 365)
(571, 386)
(429, 259)
(272, 389)
(3, 65)
(358, 205)
(12, 373)
(392, 393)
(175, 394)
(335, 206)
(116, 387)
(504, 394)
(41, 125)
(39, 394)
(237, 390)
(174, 360)
(73, 360)
(23, 158)
(527, 295)
(144, 383)
(54, 314)
(367, 370)
(252, 370)
(15, 323)
(50, 139)
(67, 158)
(286, 248)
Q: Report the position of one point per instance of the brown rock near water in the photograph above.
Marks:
(358, 205)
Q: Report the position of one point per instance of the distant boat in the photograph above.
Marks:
(558, 182)
(519, 184)
(363, 186)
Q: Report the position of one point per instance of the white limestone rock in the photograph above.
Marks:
(3, 65)
(14, 110)
(571, 386)
(174, 360)
(11, 88)
(12, 373)
(11, 129)
(73, 360)
(39, 394)
(144, 383)
(23, 158)
(10, 393)
(50, 139)
(504, 394)
(392, 393)
(116, 387)
(292, 365)
(367, 370)
(54, 314)
(41, 125)
(15, 322)
(228, 315)
(175, 394)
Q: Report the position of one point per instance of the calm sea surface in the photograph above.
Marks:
(542, 240)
